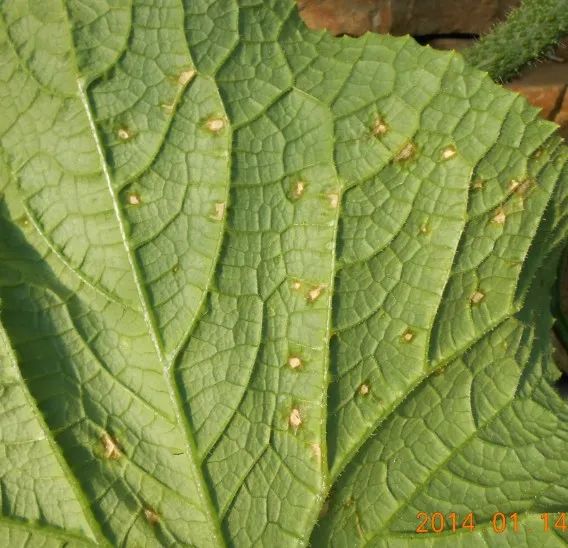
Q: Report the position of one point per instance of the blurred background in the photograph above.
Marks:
(448, 24)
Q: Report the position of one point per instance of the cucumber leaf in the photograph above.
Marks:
(262, 286)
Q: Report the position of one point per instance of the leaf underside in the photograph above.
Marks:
(262, 286)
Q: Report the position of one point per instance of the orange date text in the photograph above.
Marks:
(499, 522)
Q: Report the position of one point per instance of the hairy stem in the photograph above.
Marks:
(527, 33)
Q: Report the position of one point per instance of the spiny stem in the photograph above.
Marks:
(528, 32)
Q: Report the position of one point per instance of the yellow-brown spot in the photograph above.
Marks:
(406, 152)
(151, 516)
(379, 128)
(364, 389)
(294, 362)
(477, 297)
(134, 199)
(500, 217)
(112, 450)
(219, 212)
(215, 125)
(520, 187)
(408, 336)
(298, 189)
(316, 451)
(315, 293)
(123, 134)
(186, 76)
(449, 152)
(425, 229)
(478, 184)
(333, 198)
(360, 531)
(295, 419)
(296, 285)
(24, 221)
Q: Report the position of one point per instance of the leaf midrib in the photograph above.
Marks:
(166, 364)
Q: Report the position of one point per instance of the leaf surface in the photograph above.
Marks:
(264, 286)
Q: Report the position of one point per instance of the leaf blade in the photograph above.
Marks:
(275, 211)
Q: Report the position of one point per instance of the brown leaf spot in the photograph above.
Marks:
(406, 152)
(379, 128)
(500, 217)
(151, 516)
(316, 451)
(219, 212)
(298, 189)
(215, 125)
(186, 76)
(315, 293)
(123, 134)
(294, 362)
(134, 199)
(333, 198)
(295, 419)
(112, 450)
(477, 297)
(449, 152)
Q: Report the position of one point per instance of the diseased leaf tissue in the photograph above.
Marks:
(262, 286)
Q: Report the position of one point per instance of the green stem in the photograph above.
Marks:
(527, 33)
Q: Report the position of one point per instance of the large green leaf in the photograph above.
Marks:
(252, 275)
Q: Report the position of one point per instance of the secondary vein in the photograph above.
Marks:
(153, 331)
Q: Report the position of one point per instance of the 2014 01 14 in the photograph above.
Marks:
(499, 522)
